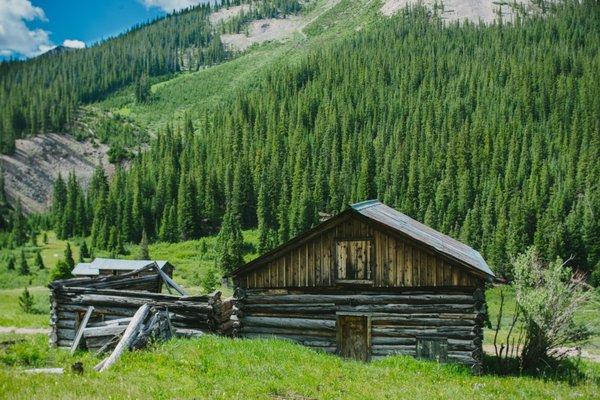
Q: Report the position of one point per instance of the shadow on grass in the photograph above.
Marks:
(572, 371)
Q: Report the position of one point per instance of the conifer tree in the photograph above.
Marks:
(19, 226)
(26, 301)
(39, 262)
(84, 252)
(61, 271)
(144, 250)
(10, 263)
(185, 209)
(23, 266)
(69, 257)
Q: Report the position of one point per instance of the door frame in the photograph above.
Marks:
(339, 331)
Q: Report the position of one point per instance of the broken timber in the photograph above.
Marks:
(115, 299)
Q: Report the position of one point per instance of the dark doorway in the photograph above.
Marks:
(354, 336)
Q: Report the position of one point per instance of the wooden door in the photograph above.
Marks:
(353, 336)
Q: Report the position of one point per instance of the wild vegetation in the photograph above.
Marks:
(43, 94)
(266, 369)
(471, 134)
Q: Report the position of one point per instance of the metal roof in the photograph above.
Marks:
(377, 211)
(99, 264)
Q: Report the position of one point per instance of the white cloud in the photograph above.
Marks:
(15, 36)
(171, 5)
(74, 44)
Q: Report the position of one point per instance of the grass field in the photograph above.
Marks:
(220, 368)
(214, 367)
(12, 316)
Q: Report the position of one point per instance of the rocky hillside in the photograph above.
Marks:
(31, 171)
(37, 161)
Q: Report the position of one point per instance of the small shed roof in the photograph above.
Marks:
(393, 220)
(99, 264)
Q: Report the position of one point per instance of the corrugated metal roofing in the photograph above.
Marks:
(377, 211)
(85, 269)
(99, 264)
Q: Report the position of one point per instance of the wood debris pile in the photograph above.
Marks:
(97, 313)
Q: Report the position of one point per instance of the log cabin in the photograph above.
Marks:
(368, 283)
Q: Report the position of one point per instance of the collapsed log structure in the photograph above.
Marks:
(93, 313)
(368, 283)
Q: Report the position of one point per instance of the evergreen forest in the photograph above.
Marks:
(490, 134)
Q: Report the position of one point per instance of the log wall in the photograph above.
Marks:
(398, 318)
(394, 262)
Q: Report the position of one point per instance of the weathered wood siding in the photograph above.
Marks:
(398, 318)
(391, 262)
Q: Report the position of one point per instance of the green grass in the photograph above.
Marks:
(11, 315)
(221, 368)
(51, 252)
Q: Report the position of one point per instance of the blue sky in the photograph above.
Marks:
(31, 27)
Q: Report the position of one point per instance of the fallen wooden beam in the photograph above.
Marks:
(45, 371)
(169, 281)
(129, 335)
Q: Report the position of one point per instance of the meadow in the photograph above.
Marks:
(214, 367)
(221, 368)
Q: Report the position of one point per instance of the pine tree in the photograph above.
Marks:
(185, 209)
(19, 226)
(45, 238)
(61, 271)
(210, 282)
(144, 251)
(69, 257)
(84, 252)
(39, 262)
(230, 242)
(23, 266)
(142, 89)
(59, 200)
(113, 242)
(10, 263)
(26, 301)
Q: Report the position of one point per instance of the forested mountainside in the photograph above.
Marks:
(42, 94)
(490, 134)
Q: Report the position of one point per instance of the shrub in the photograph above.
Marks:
(10, 264)
(548, 295)
(61, 270)
(23, 266)
(210, 282)
(26, 302)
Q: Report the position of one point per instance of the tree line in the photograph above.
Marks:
(464, 127)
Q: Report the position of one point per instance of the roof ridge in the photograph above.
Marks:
(365, 204)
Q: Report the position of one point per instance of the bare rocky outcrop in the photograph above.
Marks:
(459, 10)
(30, 172)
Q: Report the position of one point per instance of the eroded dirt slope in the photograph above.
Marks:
(30, 173)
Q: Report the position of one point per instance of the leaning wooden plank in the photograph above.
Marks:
(128, 337)
(86, 318)
(169, 281)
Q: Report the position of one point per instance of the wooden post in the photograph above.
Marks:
(79, 335)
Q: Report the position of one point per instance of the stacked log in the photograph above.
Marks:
(113, 308)
(398, 319)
